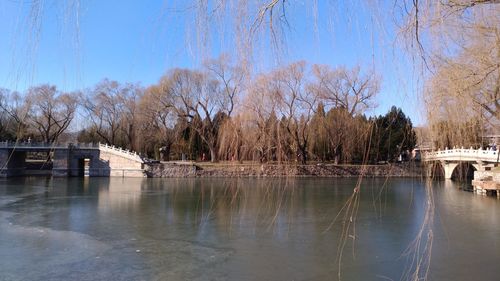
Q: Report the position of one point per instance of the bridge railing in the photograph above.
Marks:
(462, 152)
(125, 152)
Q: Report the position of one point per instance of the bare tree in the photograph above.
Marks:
(198, 99)
(159, 120)
(230, 85)
(50, 111)
(110, 107)
(230, 79)
(346, 88)
(14, 113)
(296, 103)
(129, 120)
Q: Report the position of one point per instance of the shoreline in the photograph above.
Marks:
(237, 170)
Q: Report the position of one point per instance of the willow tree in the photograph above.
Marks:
(458, 43)
(319, 145)
(261, 128)
(465, 87)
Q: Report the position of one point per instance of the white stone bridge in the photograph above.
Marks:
(73, 159)
(449, 159)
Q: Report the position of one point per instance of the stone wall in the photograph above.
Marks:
(265, 170)
(487, 182)
(171, 170)
(60, 163)
(12, 163)
(112, 165)
(487, 175)
(102, 164)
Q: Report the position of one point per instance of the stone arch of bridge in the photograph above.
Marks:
(451, 169)
(435, 170)
(463, 171)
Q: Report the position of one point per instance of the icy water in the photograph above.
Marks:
(240, 229)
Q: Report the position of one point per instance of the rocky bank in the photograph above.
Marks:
(188, 169)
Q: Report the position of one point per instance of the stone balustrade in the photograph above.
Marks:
(123, 152)
(461, 154)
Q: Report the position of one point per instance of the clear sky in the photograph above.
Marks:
(138, 41)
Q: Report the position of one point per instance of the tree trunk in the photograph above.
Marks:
(213, 154)
(337, 154)
(131, 137)
(165, 152)
(303, 154)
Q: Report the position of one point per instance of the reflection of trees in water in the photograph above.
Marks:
(266, 204)
(283, 209)
(289, 216)
(118, 193)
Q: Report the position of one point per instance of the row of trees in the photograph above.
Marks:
(294, 113)
(43, 113)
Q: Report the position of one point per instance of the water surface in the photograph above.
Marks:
(240, 229)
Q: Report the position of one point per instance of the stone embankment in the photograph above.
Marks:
(171, 170)
(189, 169)
(487, 182)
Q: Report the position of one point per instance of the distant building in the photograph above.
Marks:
(416, 153)
(424, 143)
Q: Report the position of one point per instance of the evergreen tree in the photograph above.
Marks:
(393, 135)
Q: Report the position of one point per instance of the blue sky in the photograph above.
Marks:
(138, 41)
